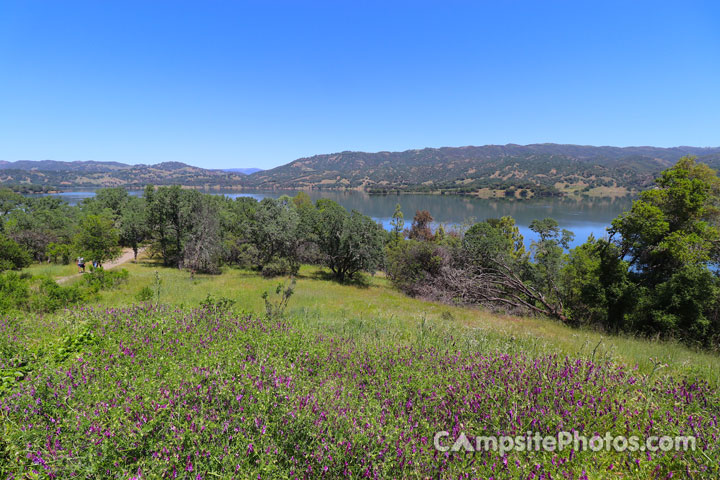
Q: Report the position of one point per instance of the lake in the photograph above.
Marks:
(581, 216)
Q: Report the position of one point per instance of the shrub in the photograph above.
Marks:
(278, 267)
(12, 255)
(413, 263)
(14, 291)
(220, 305)
(145, 294)
(50, 296)
(100, 279)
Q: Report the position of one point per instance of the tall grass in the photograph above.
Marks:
(332, 306)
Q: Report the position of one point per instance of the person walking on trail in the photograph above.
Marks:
(81, 265)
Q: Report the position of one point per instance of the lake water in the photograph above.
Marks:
(581, 216)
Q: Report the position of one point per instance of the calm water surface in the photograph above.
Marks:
(581, 216)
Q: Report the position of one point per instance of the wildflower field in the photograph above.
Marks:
(153, 391)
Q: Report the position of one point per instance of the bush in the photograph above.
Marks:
(278, 267)
(12, 255)
(50, 296)
(100, 279)
(219, 305)
(14, 291)
(414, 263)
(145, 294)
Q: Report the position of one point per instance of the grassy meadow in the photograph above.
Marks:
(351, 382)
(376, 305)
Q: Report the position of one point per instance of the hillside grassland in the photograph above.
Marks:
(351, 382)
(374, 303)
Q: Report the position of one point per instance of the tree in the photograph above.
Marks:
(657, 274)
(236, 227)
(9, 200)
(113, 199)
(597, 287)
(12, 255)
(275, 236)
(494, 240)
(361, 247)
(673, 225)
(329, 231)
(398, 224)
(39, 222)
(170, 214)
(133, 224)
(420, 228)
(348, 242)
(60, 253)
(202, 250)
(97, 238)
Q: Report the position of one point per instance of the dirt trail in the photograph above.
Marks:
(125, 257)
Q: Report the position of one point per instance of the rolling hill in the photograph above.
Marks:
(491, 170)
(92, 174)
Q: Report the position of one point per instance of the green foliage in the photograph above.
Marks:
(397, 224)
(597, 286)
(133, 224)
(414, 263)
(113, 199)
(349, 242)
(37, 222)
(20, 292)
(217, 305)
(9, 200)
(60, 253)
(14, 291)
(275, 305)
(12, 255)
(275, 233)
(686, 305)
(50, 296)
(145, 294)
(73, 343)
(97, 238)
(100, 279)
(670, 238)
(549, 257)
(170, 214)
(494, 240)
(673, 225)
(278, 267)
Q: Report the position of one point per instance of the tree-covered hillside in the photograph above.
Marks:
(50, 173)
(508, 169)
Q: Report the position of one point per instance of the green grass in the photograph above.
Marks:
(51, 269)
(331, 306)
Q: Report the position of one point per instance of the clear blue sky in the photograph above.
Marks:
(242, 84)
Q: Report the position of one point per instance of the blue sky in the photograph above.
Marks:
(257, 84)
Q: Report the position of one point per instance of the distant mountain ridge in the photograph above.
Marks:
(491, 170)
(92, 174)
(508, 170)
